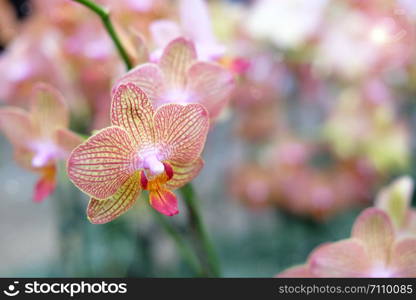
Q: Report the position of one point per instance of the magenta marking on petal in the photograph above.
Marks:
(168, 170)
(143, 180)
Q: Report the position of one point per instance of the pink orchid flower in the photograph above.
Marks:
(373, 250)
(395, 200)
(144, 149)
(195, 24)
(180, 78)
(40, 137)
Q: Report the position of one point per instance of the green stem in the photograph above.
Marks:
(210, 256)
(181, 245)
(105, 18)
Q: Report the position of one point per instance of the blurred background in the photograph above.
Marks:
(323, 114)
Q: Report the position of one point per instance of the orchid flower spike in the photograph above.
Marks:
(40, 137)
(180, 78)
(144, 149)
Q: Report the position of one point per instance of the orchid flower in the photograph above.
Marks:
(373, 250)
(395, 200)
(144, 149)
(195, 24)
(180, 78)
(40, 137)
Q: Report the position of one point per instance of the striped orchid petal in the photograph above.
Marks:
(102, 164)
(184, 173)
(48, 110)
(374, 228)
(164, 201)
(16, 126)
(132, 110)
(212, 86)
(176, 60)
(103, 211)
(181, 131)
(148, 77)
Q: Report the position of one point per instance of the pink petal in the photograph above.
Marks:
(132, 110)
(164, 31)
(16, 126)
(103, 211)
(347, 258)
(45, 186)
(196, 21)
(410, 222)
(184, 173)
(24, 158)
(148, 77)
(374, 228)
(48, 110)
(141, 49)
(175, 61)
(395, 199)
(301, 271)
(212, 86)
(67, 140)
(100, 165)
(181, 130)
(403, 258)
(164, 201)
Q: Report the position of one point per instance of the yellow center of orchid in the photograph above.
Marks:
(153, 182)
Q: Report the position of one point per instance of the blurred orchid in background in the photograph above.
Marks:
(40, 137)
(288, 24)
(372, 251)
(395, 200)
(180, 78)
(377, 247)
